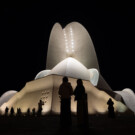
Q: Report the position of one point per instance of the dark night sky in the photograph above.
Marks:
(25, 29)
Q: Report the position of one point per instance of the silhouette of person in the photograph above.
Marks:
(19, 112)
(110, 108)
(40, 107)
(33, 111)
(12, 111)
(28, 112)
(6, 111)
(65, 92)
(81, 98)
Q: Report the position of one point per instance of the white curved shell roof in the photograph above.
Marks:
(72, 41)
(6, 96)
(42, 74)
(72, 68)
(94, 76)
(128, 97)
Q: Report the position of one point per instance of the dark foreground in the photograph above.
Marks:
(49, 125)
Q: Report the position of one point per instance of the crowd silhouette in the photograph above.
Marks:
(11, 112)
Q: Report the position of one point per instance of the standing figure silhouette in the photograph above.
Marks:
(81, 98)
(40, 104)
(111, 113)
(65, 92)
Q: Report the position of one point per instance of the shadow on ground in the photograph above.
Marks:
(49, 125)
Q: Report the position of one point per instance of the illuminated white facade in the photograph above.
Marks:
(47, 88)
(70, 53)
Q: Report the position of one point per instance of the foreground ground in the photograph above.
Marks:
(49, 125)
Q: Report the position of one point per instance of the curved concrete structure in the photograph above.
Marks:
(128, 97)
(42, 74)
(70, 67)
(72, 41)
(94, 76)
(70, 53)
(6, 96)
